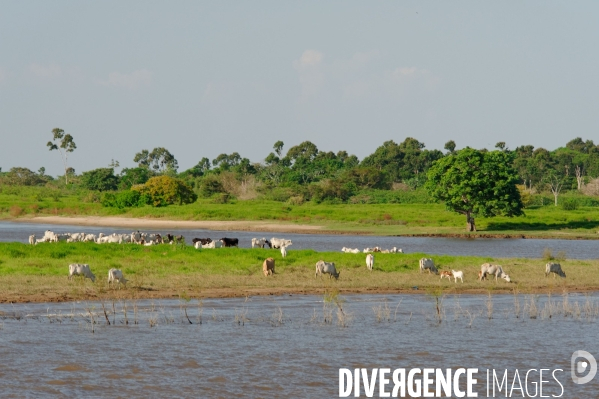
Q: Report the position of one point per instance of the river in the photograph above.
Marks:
(288, 346)
(492, 247)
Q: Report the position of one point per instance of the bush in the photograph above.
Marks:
(125, 199)
(166, 190)
(569, 204)
(211, 185)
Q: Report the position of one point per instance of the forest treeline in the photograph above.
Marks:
(393, 173)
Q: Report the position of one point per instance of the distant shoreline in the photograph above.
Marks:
(262, 226)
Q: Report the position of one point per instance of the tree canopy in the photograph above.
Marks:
(476, 183)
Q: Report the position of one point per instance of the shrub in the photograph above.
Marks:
(166, 190)
(211, 185)
(569, 204)
(125, 199)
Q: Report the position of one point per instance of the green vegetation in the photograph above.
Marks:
(363, 218)
(39, 273)
(472, 182)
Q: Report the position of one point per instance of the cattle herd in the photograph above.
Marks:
(486, 269)
(268, 267)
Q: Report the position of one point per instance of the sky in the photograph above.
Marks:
(205, 78)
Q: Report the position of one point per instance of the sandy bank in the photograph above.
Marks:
(138, 223)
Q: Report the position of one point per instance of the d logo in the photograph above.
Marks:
(580, 366)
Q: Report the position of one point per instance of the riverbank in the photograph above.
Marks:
(423, 220)
(146, 223)
(39, 273)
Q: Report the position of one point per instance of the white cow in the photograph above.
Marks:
(369, 261)
(76, 237)
(62, 237)
(115, 275)
(494, 270)
(32, 239)
(279, 242)
(89, 238)
(260, 242)
(396, 250)
(428, 264)
(323, 267)
(555, 268)
(367, 250)
(78, 269)
(458, 275)
(283, 251)
(49, 236)
(213, 244)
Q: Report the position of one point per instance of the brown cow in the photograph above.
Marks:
(268, 267)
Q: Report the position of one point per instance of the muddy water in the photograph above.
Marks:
(284, 346)
(498, 248)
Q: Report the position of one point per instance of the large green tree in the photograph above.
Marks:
(476, 183)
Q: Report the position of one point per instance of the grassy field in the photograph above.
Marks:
(39, 273)
(382, 219)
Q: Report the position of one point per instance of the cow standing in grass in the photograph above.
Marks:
(268, 267)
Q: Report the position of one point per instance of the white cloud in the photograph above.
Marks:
(130, 81)
(309, 58)
(45, 72)
(405, 71)
(310, 73)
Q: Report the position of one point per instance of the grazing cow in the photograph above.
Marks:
(447, 274)
(458, 275)
(555, 268)
(396, 250)
(260, 242)
(283, 252)
(136, 237)
(268, 267)
(376, 249)
(39, 240)
(62, 237)
(494, 270)
(213, 244)
(32, 239)
(49, 236)
(354, 251)
(323, 267)
(386, 251)
(76, 237)
(89, 238)
(367, 250)
(230, 242)
(428, 264)
(279, 242)
(202, 241)
(116, 275)
(369, 261)
(78, 269)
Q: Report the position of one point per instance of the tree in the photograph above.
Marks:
(278, 147)
(166, 190)
(133, 176)
(555, 182)
(450, 146)
(473, 183)
(101, 179)
(66, 145)
(160, 160)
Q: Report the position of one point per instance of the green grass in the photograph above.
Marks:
(39, 273)
(384, 219)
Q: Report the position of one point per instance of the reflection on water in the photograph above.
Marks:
(282, 346)
(497, 248)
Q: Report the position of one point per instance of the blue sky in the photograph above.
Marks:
(203, 78)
